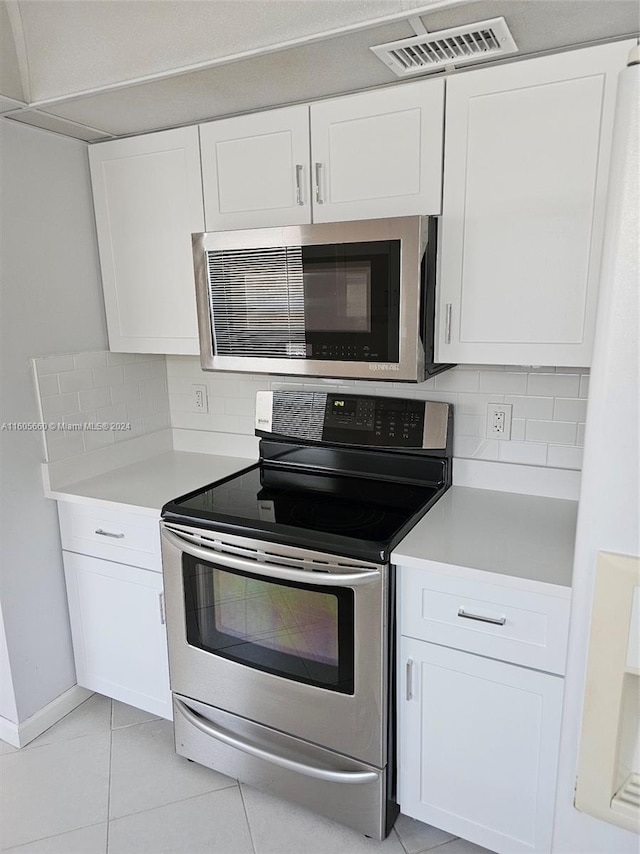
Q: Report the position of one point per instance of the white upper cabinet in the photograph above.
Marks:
(255, 170)
(379, 153)
(373, 154)
(526, 164)
(148, 200)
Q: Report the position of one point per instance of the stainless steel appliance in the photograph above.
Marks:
(345, 299)
(280, 599)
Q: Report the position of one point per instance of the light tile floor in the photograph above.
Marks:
(106, 780)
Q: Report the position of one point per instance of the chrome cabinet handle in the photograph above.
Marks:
(318, 172)
(409, 679)
(495, 621)
(447, 325)
(299, 199)
(272, 570)
(109, 534)
(226, 737)
(163, 618)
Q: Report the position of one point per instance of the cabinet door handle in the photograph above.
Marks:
(299, 199)
(163, 618)
(409, 679)
(495, 621)
(447, 324)
(109, 534)
(318, 173)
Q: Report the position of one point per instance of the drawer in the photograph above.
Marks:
(504, 623)
(116, 535)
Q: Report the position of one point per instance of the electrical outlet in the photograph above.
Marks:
(199, 398)
(499, 420)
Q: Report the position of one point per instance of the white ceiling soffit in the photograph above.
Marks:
(123, 67)
(80, 45)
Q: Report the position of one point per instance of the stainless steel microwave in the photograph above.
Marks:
(347, 299)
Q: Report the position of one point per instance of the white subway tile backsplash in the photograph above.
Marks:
(156, 421)
(503, 382)
(84, 389)
(564, 456)
(455, 380)
(61, 404)
(570, 409)
(584, 385)
(475, 448)
(76, 380)
(111, 376)
(125, 393)
(554, 385)
(54, 364)
(476, 404)
(518, 429)
(95, 398)
(240, 406)
(526, 453)
(114, 413)
(530, 390)
(94, 439)
(48, 385)
(580, 436)
(86, 361)
(530, 407)
(469, 425)
(138, 371)
(556, 432)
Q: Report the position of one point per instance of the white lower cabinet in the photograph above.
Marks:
(117, 614)
(479, 747)
(478, 732)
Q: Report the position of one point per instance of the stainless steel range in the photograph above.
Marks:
(280, 599)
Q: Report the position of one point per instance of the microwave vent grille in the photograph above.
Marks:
(447, 48)
(257, 302)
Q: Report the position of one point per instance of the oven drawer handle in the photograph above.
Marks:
(322, 579)
(290, 764)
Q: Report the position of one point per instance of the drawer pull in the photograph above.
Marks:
(109, 534)
(495, 621)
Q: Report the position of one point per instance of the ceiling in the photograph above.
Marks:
(95, 69)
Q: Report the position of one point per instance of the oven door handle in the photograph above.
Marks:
(272, 570)
(253, 750)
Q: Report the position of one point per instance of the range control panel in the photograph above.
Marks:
(377, 422)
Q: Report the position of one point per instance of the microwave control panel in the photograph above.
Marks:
(375, 422)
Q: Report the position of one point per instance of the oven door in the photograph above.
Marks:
(286, 637)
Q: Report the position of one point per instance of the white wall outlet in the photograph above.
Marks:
(499, 420)
(199, 398)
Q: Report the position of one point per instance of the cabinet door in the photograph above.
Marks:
(118, 631)
(478, 747)
(255, 170)
(525, 178)
(378, 154)
(148, 200)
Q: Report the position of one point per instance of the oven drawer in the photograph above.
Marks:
(505, 623)
(117, 535)
(328, 783)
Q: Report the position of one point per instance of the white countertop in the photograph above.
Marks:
(522, 538)
(146, 486)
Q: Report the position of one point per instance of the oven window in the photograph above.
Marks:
(300, 632)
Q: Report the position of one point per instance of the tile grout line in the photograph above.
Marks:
(177, 801)
(246, 815)
(106, 848)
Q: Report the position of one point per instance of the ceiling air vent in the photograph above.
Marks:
(446, 48)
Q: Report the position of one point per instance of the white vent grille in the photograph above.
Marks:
(448, 48)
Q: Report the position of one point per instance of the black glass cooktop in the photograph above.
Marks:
(348, 514)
